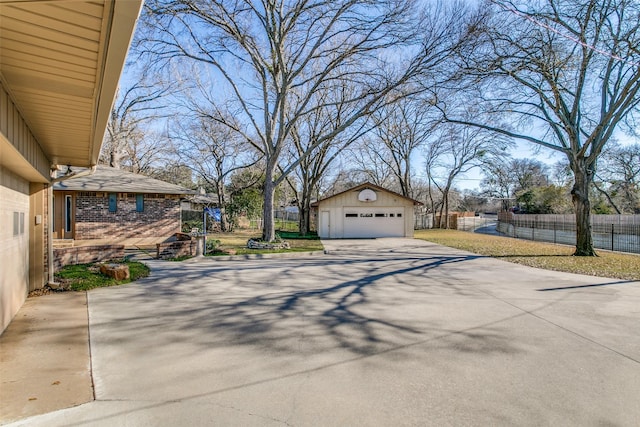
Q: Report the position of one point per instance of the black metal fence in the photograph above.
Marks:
(612, 232)
(195, 221)
(191, 220)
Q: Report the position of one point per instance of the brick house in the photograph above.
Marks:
(113, 204)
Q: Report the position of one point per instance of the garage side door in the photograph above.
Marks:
(373, 222)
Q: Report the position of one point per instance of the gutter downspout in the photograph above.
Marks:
(50, 265)
(50, 280)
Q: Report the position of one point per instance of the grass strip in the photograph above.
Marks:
(237, 240)
(82, 277)
(538, 254)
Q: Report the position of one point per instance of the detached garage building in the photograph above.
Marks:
(365, 211)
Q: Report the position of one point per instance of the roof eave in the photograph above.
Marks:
(364, 185)
(122, 19)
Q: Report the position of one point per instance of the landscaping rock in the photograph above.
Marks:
(255, 244)
(117, 271)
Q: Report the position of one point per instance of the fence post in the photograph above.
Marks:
(612, 237)
(533, 228)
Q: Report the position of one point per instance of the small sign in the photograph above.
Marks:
(214, 213)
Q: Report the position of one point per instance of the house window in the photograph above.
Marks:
(351, 215)
(67, 213)
(113, 202)
(139, 202)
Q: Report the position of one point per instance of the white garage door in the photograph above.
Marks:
(373, 222)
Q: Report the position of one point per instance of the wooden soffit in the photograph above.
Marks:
(60, 62)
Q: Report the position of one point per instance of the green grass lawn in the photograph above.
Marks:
(83, 277)
(237, 240)
(538, 254)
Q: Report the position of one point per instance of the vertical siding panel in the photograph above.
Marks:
(18, 133)
(4, 108)
(15, 127)
(23, 138)
(9, 121)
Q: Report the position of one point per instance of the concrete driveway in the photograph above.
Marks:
(375, 332)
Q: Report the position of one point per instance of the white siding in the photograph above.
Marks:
(341, 226)
(14, 248)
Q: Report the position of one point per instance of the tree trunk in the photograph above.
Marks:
(304, 206)
(224, 224)
(114, 159)
(268, 225)
(435, 219)
(441, 216)
(304, 223)
(580, 196)
(445, 214)
(222, 202)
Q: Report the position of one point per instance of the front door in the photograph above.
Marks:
(63, 215)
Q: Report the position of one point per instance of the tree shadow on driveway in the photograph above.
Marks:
(356, 304)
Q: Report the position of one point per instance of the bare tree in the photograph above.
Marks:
(211, 150)
(174, 172)
(315, 159)
(342, 180)
(125, 141)
(619, 170)
(453, 152)
(401, 128)
(504, 177)
(145, 154)
(567, 72)
(273, 57)
(372, 162)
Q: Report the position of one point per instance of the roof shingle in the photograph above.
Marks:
(116, 180)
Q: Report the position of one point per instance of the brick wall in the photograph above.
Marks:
(161, 216)
(85, 255)
(175, 249)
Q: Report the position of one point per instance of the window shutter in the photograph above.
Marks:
(140, 202)
(113, 202)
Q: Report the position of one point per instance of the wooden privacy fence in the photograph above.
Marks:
(425, 221)
(613, 232)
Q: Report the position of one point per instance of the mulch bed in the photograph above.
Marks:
(44, 291)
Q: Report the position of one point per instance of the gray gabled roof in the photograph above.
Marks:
(363, 186)
(113, 180)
